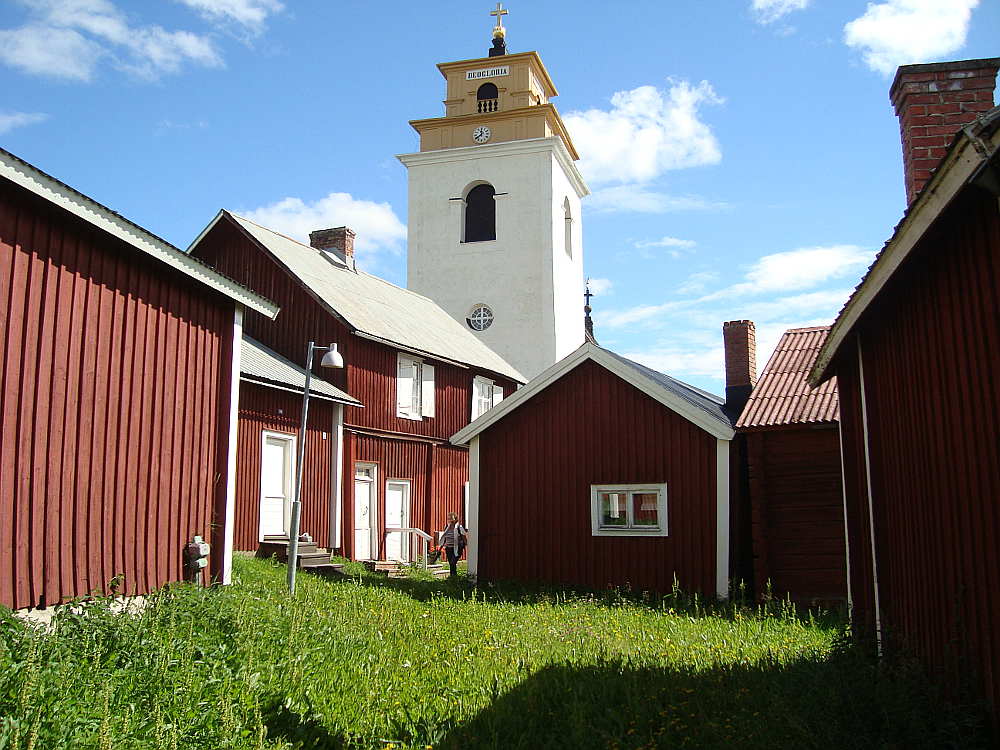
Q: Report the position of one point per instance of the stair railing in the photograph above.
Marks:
(414, 537)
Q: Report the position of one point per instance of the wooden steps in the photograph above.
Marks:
(310, 559)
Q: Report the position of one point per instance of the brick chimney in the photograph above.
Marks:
(739, 339)
(933, 102)
(338, 241)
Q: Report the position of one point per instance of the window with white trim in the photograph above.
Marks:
(628, 509)
(485, 395)
(414, 388)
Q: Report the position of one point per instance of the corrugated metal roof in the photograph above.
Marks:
(783, 396)
(375, 307)
(707, 402)
(260, 364)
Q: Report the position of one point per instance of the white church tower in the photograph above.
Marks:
(494, 225)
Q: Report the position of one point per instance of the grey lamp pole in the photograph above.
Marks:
(332, 358)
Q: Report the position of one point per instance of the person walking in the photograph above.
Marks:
(453, 541)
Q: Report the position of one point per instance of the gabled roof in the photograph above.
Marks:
(974, 151)
(59, 193)
(699, 407)
(783, 396)
(263, 366)
(371, 306)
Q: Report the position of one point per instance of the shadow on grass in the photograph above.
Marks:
(301, 732)
(512, 592)
(808, 704)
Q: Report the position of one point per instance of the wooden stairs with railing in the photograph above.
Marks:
(310, 560)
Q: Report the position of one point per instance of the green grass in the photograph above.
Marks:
(369, 662)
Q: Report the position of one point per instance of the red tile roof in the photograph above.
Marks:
(782, 396)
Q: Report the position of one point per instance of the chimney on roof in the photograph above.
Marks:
(338, 241)
(932, 103)
(739, 340)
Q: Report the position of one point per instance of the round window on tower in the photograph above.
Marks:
(480, 318)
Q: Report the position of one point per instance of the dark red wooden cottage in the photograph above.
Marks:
(916, 354)
(601, 472)
(119, 357)
(379, 459)
(793, 467)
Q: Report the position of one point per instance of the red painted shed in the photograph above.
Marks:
(793, 465)
(916, 354)
(414, 376)
(119, 357)
(602, 472)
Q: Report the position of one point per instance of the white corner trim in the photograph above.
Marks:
(35, 181)
(944, 185)
(234, 416)
(628, 374)
(871, 504)
(337, 476)
(847, 538)
(472, 554)
(722, 519)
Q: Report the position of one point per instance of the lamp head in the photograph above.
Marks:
(332, 358)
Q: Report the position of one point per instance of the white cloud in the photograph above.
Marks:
(250, 14)
(11, 120)
(377, 226)
(675, 360)
(646, 132)
(638, 199)
(697, 282)
(666, 242)
(769, 11)
(68, 38)
(600, 286)
(44, 50)
(901, 32)
(774, 275)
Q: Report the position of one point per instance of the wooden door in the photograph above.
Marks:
(276, 484)
(365, 495)
(397, 516)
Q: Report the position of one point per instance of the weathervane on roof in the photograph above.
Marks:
(588, 323)
(499, 32)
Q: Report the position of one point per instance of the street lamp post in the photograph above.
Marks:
(332, 358)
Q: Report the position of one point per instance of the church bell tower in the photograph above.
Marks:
(494, 223)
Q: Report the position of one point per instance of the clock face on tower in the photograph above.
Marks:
(481, 134)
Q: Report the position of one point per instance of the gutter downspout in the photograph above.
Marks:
(871, 511)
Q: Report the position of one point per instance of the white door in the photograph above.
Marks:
(276, 462)
(397, 516)
(364, 510)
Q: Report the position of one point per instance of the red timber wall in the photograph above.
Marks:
(590, 427)
(370, 377)
(437, 473)
(797, 508)
(115, 399)
(273, 410)
(931, 355)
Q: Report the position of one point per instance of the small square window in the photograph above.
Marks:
(629, 509)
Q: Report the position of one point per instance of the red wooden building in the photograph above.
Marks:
(916, 354)
(793, 464)
(602, 472)
(119, 357)
(379, 458)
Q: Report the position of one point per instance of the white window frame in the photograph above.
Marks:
(629, 530)
(496, 396)
(420, 401)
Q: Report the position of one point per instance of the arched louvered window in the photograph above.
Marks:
(480, 214)
(487, 98)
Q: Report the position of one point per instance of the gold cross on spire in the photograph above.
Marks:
(499, 13)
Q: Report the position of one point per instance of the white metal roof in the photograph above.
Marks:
(59, 193)
(699, 407)
(374, 307)
(258, 364)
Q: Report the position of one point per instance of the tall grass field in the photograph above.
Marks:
(367, 662)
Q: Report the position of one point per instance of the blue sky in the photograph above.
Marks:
(743, 155)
